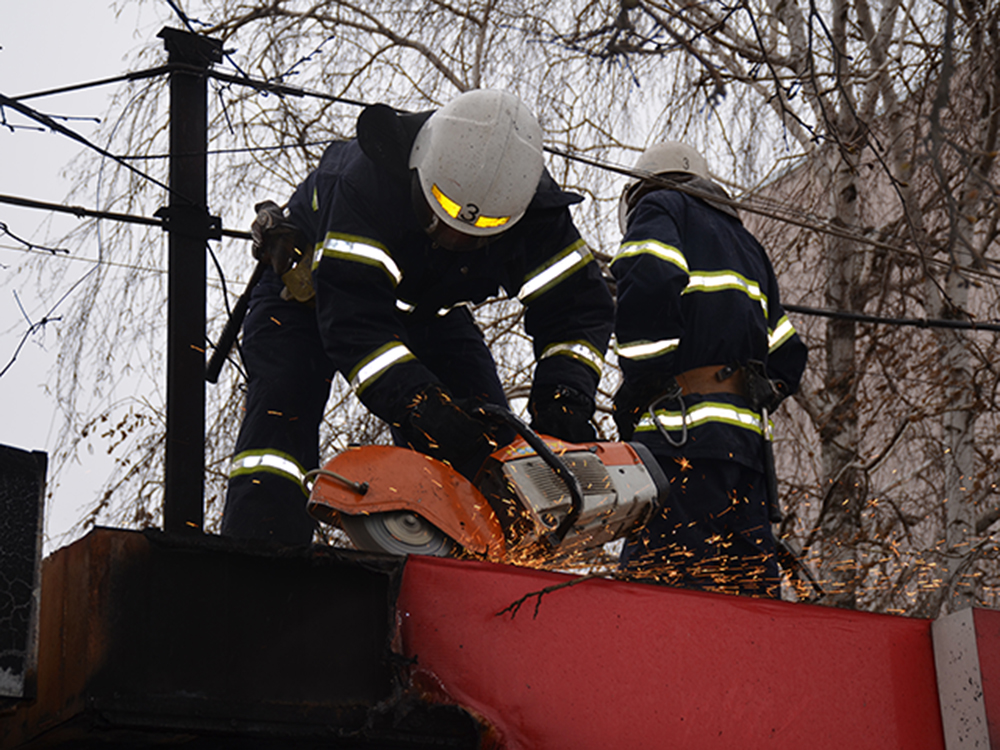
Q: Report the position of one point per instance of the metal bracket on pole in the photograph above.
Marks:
(190, 221)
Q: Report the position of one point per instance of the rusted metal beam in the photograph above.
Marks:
(159, 637)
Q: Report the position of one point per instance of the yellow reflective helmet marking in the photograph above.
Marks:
(484, 222)
(451, 208)
(470, 214)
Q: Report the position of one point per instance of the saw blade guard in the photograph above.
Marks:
(381, 479)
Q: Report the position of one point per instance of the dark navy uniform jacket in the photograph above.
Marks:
(696, 289)
(376, 274)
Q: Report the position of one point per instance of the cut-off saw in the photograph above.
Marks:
(537, 501)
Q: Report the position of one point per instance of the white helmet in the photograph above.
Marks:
(478, 161)
(661, 158)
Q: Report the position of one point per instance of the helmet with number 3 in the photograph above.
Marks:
(478, 161)
(658, 159)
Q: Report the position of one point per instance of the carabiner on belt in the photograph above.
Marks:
(675, 396)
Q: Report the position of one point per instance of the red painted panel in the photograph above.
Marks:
(988, 645)
(611, 664)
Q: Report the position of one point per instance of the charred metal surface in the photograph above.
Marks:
(22, 496)
(150, 639)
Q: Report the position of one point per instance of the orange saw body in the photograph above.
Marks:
(537, 501)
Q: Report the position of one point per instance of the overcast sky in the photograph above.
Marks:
(47, 44)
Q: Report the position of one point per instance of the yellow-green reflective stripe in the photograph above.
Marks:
(376, 363)
(717, 281)
(643, 349)
(581, 350)
(565, 263)
(781, 334)
(360, 250)
(272, 462)
(662, 251)
(702, 413)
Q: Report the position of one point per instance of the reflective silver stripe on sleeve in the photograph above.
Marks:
(718, 281)
(643, 349)
(784, 331)
(376, 363)
(272, 462)
(707, 411)
(581, 350)
(445, 310)
(660, 250)
(542, 279)
(406, 307)
(361, 250)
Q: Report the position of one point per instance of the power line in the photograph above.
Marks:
(967, 325)
(218, 151)
(136, 76)
(187, 22)
(783, 215)
(81, 212)
(102, 262)
(24, 109)
(281, 89)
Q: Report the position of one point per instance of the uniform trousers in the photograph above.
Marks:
(289, 379)
(711, 534)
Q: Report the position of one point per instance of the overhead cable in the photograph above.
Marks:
(966, 325)
(800, 309)
(284, 90)
(136, 76)
(218, 151)
(745, 205)
(280, 88)
(33, 114)
(81, 212)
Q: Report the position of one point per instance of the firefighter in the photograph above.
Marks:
(705, 346)
(396, 233)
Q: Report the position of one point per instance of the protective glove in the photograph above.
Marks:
(632, 399)
(435, 424)
(274, 237)
(562, 412)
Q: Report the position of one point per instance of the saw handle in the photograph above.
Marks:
(555, 463)
(233, 326)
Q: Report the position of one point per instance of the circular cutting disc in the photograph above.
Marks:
(397, 532)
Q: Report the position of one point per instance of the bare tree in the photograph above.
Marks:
(889, 114)
(861, 138)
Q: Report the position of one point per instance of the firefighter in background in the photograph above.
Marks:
(399, 231)
(706, 353)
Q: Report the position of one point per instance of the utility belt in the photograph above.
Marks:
(712, 379)
(748, 381)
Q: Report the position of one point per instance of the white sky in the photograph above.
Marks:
(47, 44)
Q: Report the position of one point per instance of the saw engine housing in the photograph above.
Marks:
(619, 483)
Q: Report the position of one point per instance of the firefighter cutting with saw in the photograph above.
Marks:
(370, 271)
